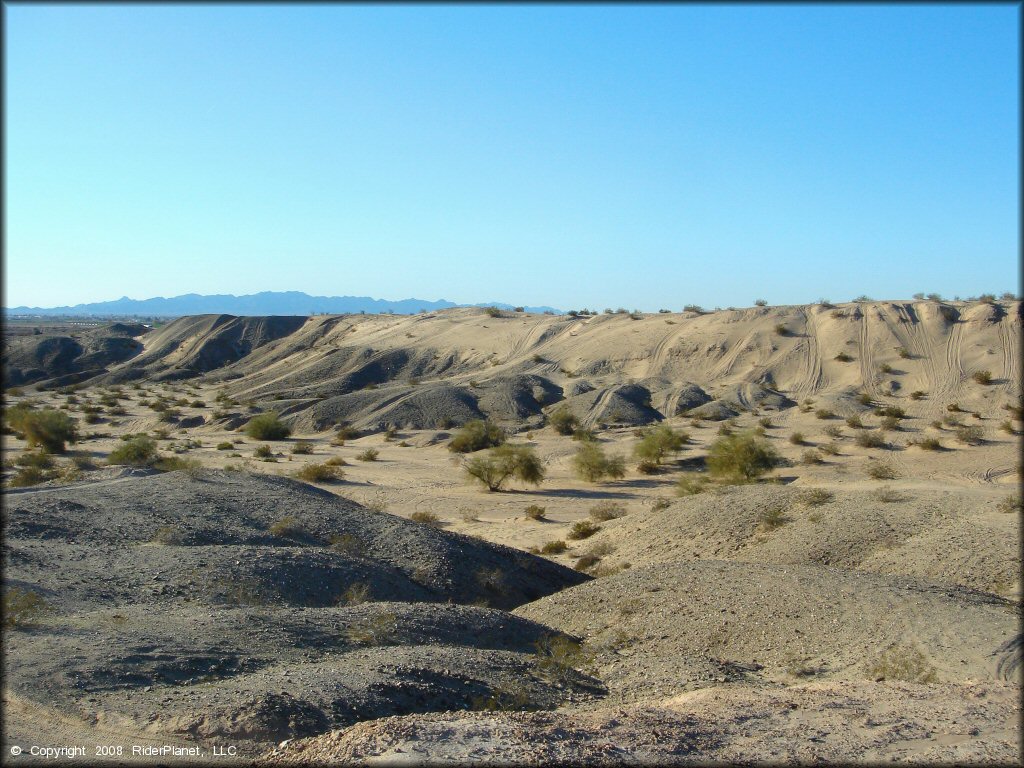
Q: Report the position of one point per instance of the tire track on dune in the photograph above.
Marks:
(1007, 337)
(867, 358)
(661, 353)
(919, 346)
(599, 405)
(813, 379)
(954, 368)
(724, 366)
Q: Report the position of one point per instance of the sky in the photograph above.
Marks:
(565, 155)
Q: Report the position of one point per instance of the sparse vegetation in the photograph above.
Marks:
(740, 457)
(424, 516)
(606, 510)
(593, 465)
(288, 527)
(477, 435)
(263, 452)
(691, 486)
(303, 447)
(1010, 505)
(658, 442)
(842, 357)
(370, 454)
(879, 470)
(902, 663)
(267, 426)
(582, 530)
(46, 428)
(870, 440)
(22, 608)
(563, 420)
(535, 512)
(797, 438)
(137, 452)
(982, 377)
(320, 473)
(814, 497)
(559, 656)
(505, 462)
(553, 548)
(970, 434)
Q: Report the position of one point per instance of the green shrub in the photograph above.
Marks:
(982, 377)
(27, 476)
(319, 473)
(812, 457)
(267, 426)
(370, 454)
(37, 460)
(842, 356)
(797, 438)
(889, 423)
(22, 607)
(584, 435)
(492, 311)
(590, 463)
(535, 512)
(781, 330)
(47, 428)
(882, 471)
(225, 446)
(904, 353)
(263, 452)
(504, 462)
(303, 447)
(740, 457)
(563, 420)
(287, 527)
(658, 442)
(176, 464)
(558, 658)
(606, 510)
(137, 452)
(475, 436)
(970, 435)
(554, 547)
(927, 444)
(870, 440)
(582, 530)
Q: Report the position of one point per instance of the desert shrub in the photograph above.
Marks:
(951, 420)
(505, 462)
(197, 404)
(863, 398)
(137, 452)
(592, 464)
(954, 408)
(854, 422)
(424, 516)
(46, 428)
(176, 464)
(287, 527)
(829, 449)
(475, 436)
(887, 495)
(347, 544)
(870, 440)
(585, 562)
(1008, 428)
(760, 303)
(563, 420)
(168, 536)
(37, 460)
(902, 663)
(22, 607)
(879, 470)
(691, 486)
(885, 368)
(917, 394)
(582, 530)
(904, 353)
(658, 442)
(357, 594)
(559, 656)
(375, 630)
(319, 473)
(982, 377)
(781, 330)
(765, 422)
(812, 457)
(893, 411)
(370, 454)
(83, 462)
(824, 413)
(336, 461)
(263, 451)
(814, 497)
(267, 426)
(740, 457)
(584, 435)
(1010, 504)
(553, 547)
(535, 512)
(889, 423)
(27, 476)
(797, 438)
(606, 510)
(842, 356)
(492, 311)
(927, 444)
(346, 432)
(970, 434)
(225, 446)
(833, 430)
(303, 447)
(772, 518)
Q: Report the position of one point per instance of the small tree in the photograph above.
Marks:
(740, 456)
(475, 436)
(563, 420)
(591, 463)
(658, 442)
(267, 426)
(504, 462)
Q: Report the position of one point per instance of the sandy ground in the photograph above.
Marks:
(932, 550)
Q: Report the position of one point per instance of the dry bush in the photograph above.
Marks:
(347, 544)
(814, 497)
(812, 457)
(902, 663)
(357, 594)
(425, 516)
(982, 377)
(854, 422)
(137, 452)
(927, 444)
(1010, 504)
(772, 518)
(535, 512)
(375, 630)
(870, 440)
(833, 430)
(880, 470)
(22, 608)
(606, 510)
(286, 528)
(582, 530)
(970, 435)
(553, 547)
(559, 657)
(887, 495)
(829, 449)
(320, 473)
(303, 447)
(690, 486)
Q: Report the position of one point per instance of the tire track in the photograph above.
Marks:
(867, 358)
(954, 368)
(1010, 371)
(724, 366)
(813, 377)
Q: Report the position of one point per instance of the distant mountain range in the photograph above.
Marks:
(265, 303)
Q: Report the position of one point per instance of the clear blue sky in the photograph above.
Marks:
(572, 155)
